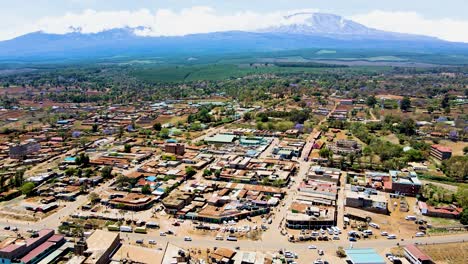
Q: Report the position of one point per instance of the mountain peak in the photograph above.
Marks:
(320, 23)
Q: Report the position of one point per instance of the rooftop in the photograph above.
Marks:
(364, 256)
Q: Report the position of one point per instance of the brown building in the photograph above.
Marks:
(175, 148)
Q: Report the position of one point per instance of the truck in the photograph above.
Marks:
(113, 228)
(141, 230)
(231, 238)
(126, 229)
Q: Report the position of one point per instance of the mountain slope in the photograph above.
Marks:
(314, 31)
(335, 26)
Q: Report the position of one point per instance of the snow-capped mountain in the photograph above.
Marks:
(297, 31)
(331, 25)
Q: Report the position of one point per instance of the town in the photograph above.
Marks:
(307, 174)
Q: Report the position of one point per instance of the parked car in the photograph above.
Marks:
(352, 239)
(384, 233)
(420, 234)
(312, 247)
(139, 241)
(187, 238)
(152, 242)
(391, 236)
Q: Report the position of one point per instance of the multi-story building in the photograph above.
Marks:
(175, 148)
(441, 152)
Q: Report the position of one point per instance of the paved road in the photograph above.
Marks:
(271, 245)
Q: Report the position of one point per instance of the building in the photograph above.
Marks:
(366, 201)
(132, 201)
(405, 183)
(440, 152)
(450, 211)
(220, 139)
(175, 148)
(345, 147)
(31, 250)
(98, 248)
(363, 256)
(415, 256)
(22, 150)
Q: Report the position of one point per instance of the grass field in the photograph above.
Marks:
(227, 71)
(453, 253)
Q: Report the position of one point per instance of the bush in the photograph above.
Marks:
(340, 252)
(27, 188)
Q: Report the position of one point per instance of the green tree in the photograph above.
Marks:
(325, 153)
(164, 133)
(157, 126)
(405, 103)
(27, 188)
(371, 101)
(190, 171)
(456, 167)
(94, 128)
(128, 148)
(146, 189)
(106, 172)
(464, 216)
(247, 116)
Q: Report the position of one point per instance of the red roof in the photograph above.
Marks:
(416, 252)
(37, 251)
(442, 148)
(56, 238)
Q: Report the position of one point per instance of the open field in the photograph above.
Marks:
(456, 253)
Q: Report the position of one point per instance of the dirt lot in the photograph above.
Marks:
(454, 253)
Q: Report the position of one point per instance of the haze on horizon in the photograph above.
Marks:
(446, 20)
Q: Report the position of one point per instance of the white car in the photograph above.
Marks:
(384, 233)
(187, 238)
(312, 247)
(420, 234)
(162, 233)
(391, 236)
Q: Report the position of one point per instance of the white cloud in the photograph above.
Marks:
(202, 19)
(414, 23)
(163, 22)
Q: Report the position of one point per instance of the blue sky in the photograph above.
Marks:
(446, 19)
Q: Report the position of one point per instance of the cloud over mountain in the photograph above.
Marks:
(204, 19)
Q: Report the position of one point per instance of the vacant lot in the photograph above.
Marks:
(453, 253)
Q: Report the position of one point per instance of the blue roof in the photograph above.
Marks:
(151, 178)
(364, 256)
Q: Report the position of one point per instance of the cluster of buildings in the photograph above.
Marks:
(221, 202)
(315, 204)
(35, 249)
(393, 181)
